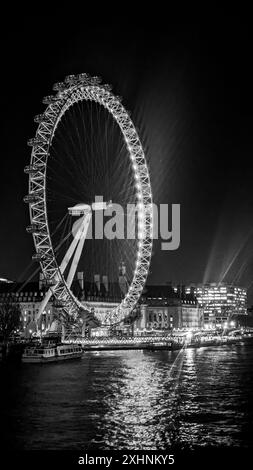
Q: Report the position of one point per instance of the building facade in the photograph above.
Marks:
(159, 309)
(28, 298)
(164, 309)
(222, 303)
(158, 316)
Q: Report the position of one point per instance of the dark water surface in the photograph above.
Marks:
(131, 400)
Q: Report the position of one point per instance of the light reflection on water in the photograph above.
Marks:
(132, 400)
(136, 412)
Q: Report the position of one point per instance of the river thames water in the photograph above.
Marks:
(131, 400)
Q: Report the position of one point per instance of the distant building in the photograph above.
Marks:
(160, 308)
(28, 297)
(164, 309)
(222, 303)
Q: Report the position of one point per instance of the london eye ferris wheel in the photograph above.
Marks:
(87, 162)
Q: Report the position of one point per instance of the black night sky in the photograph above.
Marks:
(189, 90)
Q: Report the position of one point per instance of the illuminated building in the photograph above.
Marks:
(160, 308)
(221, 302)
(28, 298)
(164, 309)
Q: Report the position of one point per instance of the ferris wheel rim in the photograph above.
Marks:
(87, 88)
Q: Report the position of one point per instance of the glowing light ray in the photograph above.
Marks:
(238, 251)
(177, 366)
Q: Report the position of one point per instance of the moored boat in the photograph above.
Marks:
(51, 353)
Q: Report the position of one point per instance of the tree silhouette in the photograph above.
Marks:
(10, 318)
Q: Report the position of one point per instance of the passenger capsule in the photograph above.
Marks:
(83, 76)
(59, 86)
(35, 141)
(96, 80)
(30, 169)
(31, 198)
(107, 87)
(33, 228)
(38, 256)
(39, 118)
(49, 99)
(70, 79)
